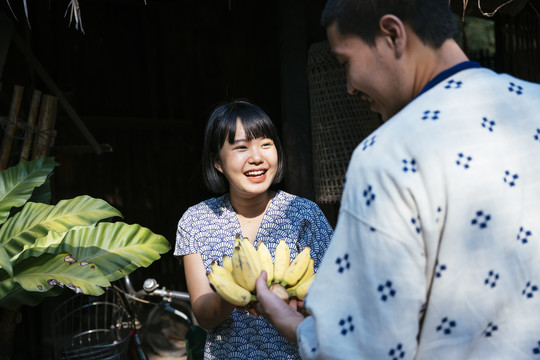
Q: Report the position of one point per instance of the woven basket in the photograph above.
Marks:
(339, 122)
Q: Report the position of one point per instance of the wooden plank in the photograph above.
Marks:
(10, 126)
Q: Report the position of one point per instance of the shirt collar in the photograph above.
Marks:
(449, 72)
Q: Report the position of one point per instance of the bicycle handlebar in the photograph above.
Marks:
(170, 294)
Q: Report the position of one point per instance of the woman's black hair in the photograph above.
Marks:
(221, 127)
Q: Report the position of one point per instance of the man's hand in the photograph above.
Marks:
(285, 317)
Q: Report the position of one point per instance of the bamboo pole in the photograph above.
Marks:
(10, 126)
(31, 124)
(45, 130)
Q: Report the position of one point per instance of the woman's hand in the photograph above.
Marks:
(284, 317)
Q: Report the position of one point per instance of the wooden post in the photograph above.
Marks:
(45, 128)
(31, 124)
(10, 126)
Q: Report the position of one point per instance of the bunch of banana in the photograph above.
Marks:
(235, 279)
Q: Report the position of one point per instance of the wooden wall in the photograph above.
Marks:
(144, 79)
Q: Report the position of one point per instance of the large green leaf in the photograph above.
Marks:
(18, 182)
(36, 220)
(116, 248)
(39, 277)
(12, 295)
(62, 270)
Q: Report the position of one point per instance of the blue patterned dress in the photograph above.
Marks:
(210, 227)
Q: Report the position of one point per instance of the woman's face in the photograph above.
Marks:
(249, 166)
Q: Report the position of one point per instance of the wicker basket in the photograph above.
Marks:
(89, 327)
(339, 122)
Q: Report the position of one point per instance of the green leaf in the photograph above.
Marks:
(62, 270)
(116, 248)
(36, 220)
(12, 295)
(18, 182)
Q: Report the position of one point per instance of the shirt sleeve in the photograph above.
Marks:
(185, 240)
(367, 298)
(317, 234)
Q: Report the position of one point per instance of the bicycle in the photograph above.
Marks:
(123, 323)
(161, 325)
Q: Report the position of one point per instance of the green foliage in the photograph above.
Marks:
(44, 248)
(476, 34)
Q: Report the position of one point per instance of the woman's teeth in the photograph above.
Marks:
(255, 173)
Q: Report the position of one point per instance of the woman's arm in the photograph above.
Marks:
(209, 308)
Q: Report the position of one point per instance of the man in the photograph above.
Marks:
(436, 253)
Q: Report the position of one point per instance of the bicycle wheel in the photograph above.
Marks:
(165, 332)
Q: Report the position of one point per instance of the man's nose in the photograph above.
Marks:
(350, 89)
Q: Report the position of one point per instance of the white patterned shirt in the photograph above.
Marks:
(436, 253)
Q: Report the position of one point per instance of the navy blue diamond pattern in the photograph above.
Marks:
(397, 352)
(446, 326)
(386, 290)
(417, 224)
(481, 219)
(488, 124)
(510, 178)
(369, 195)
(536, 350)
(529, 290)
(346, 325)
(409, 165)
(523, 235)
(537, 135)
(343, 263)
(431, 115)
(463, 160)
(492, 278)
(440, 269)
(515, 88)
(453, 84)
(438, 212)
(368, 142)
(490, 329)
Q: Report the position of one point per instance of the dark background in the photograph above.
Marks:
(144, 79)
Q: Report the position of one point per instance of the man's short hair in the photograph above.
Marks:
(431, 20)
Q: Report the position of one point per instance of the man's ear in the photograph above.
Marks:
(394, 30)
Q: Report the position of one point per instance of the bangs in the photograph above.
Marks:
(255, 124)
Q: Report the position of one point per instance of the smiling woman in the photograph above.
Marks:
(243, 163)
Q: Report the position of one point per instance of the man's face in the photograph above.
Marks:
(371, 71)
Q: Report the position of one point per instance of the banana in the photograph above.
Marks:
(282, 259)
(297, 268)
(300, 290)
(310, 271)
(221, 270)
(280, 291)
(227, 263)
(228, 289)
(253, 256)
(245, 269)
(266, 262)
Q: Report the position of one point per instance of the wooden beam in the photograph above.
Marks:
(42, 73)
(11, 126)
(6, 29)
